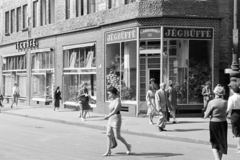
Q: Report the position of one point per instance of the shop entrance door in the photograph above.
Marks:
(154, 73)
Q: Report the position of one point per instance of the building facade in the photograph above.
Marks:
(121, 43)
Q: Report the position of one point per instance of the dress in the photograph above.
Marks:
(150, 98)
(115, 121)
(234, 110)
(57, 98)
(15, 94)
(83, 100)
(217, 109)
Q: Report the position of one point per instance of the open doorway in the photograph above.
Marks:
(154, 73)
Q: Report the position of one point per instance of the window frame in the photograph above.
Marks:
(19, 19)
(7, 22)
(51, 11)
(43, 12)
(68, 9)
(13, 21)
(25, 17)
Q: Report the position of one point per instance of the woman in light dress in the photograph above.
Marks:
(114, 121)
(150, 98)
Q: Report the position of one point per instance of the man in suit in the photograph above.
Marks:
(172, 97)
(161, 105)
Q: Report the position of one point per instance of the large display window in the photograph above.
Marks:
(79, 63)
(121, 69)
(186, 58)
(42, 74)
(14, 71)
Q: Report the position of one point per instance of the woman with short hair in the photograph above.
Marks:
(114, 121)
(217, 109)
(234, 111)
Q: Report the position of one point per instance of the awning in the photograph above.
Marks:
(13, 54)
(42, 50)
(78, 46)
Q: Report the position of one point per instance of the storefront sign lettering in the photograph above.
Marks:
(27, 44)
(121, 35)
(150, 33)
(188, 33)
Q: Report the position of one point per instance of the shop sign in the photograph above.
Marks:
(188, 33)
(27, 44)
(122, 35)
(150, 33)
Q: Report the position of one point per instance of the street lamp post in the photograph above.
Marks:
(234, 73)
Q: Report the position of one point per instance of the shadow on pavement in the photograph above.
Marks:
(188, 130)
(193, 122)
(151, 155)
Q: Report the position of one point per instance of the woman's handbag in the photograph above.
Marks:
(114, 142)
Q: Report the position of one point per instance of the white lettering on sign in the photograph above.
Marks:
(188, 33)
(26, 44)
(121, 35)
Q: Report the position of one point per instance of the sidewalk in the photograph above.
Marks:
(193, 130)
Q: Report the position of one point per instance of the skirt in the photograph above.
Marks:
(114, 122)
(218, 136)
(235, 121)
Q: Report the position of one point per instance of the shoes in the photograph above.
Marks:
(107, 154)
(174, 122)
(151, 123)
(83, 119)
(129, 149)
(161, 129)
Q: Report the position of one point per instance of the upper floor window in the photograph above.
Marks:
(129, 1)
(7, 22)
(43, 12)
(79, 8)
(15, 63)
(42, 60)
(19, 17)
(91, 6)
(113, 3)
(51, 11)
(68, 9)
(12, 21)
(25, 17)
(35, 3)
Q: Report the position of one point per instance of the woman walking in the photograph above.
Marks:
(217, 109)
(114, 122)
(15, 95)
(57, 98)
(234, 111)
(83, 98)
(150, 98)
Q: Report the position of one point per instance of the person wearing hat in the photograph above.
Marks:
(207, 93)
(217, 110)
(172, 97)
(234, 111)
(15, 95)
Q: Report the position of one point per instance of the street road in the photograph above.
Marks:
(30, 139)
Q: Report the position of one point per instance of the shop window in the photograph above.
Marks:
(83, 57)
(79, 67)
(68, 9)
(79, 8)
(14, 71)
(51, 11)
(25, 17)
(121, 69)
(42, 74)
(7, 22)
(42, 60)
(19, 18)
(72, 84)
(43, 12)
(12, 20)
(113, 3)
(190, 66)
(35, 3)
(129, 1)
(42, 85)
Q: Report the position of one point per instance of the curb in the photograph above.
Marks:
(126, 131)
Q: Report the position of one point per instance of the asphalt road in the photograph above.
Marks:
(30, 139)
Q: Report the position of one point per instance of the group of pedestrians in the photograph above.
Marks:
(160, 102)
(218, 109)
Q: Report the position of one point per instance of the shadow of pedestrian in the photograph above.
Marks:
(151, 155)
(188, 130)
